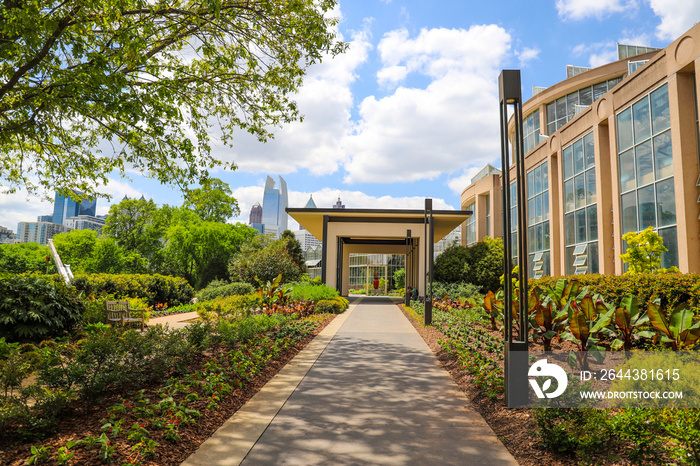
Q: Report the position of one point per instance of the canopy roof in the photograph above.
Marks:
(312, 219)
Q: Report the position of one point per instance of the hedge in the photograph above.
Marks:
(154, 289)
(671, 288)
(215, 290)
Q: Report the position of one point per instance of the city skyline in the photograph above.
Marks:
(410, 111)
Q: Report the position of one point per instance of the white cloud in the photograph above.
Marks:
(581, 9)
(452, 123)
(677, 16)
(527, 54)
(602, 58)
(458, 183)
(325, 100)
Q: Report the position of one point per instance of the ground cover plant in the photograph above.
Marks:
(115, 396)
(574, 436)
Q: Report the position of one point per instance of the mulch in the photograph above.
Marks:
(82, 419)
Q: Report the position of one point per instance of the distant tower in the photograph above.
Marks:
(255, 214)
(311, 204)
(65, 207)
(274, 216)
(339, 204)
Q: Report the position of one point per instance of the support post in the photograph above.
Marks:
(324, 250)
(429, 261)
(516, 351)
(407, 293)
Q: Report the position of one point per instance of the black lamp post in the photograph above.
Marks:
(516, 354)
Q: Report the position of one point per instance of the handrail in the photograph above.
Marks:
(63, 270)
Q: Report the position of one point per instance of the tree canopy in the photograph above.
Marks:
(90, 88)
(212, 201)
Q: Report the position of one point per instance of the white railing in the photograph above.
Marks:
(63, 270)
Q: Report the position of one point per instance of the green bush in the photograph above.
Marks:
(331, 306)
(584, 431)
(153, 289)
(306, 292)
(671, 288)
(33, 308)
(220, 290)
(480, 264)
(234, 332)
(455, 290)
(400, 279)
(449, 265)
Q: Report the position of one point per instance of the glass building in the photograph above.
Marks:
(274, 216)
(64, 207)
(609, 150)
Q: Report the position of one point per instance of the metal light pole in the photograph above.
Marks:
(516, 353)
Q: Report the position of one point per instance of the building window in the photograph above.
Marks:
(565, 108)
(471, 225)
(487, 202)
(645, 160)
(538, 221)
(580, 207)
(531, 131)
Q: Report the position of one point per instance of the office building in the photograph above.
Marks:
(609, 150)
(39, 232)
(274, 216)
(64, 207)
(7, 236)
(85, 222)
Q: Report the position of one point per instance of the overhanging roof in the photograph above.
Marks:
(312, 219)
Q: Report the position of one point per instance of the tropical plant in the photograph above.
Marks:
(586, 320)
(546, 320)
(628, 319)
(679, 331)
(271, 292)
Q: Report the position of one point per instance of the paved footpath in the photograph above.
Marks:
(367, 390)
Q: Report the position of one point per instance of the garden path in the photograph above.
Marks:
(367, 390)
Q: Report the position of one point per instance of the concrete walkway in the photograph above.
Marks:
(367, 390)
(173, 320)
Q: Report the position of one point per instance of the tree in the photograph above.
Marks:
(76, 248)
(449, 265)
(25, 257)
(200, 251)
(265, 258)
(135, 226)
(644, 251)
(147, 79)
(484, 264)
(212, 201)
(294, 249)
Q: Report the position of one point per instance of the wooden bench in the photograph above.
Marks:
(119, 312)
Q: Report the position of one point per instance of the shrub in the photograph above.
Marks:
(306, 292)
(219, 290)
(33, 308)
(95, 307)
(455, 291)
(449, 265)
(400, 279)
(228, 308)
(484, 265)
(153, 289)
(331, 306)
(233, 332)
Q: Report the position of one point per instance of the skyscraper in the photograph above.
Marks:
(339, 204)
(65, 207)
(274, 216)
(255, 214)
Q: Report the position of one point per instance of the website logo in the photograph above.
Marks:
(543, 369)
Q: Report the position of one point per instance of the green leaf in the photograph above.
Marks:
(658, 321)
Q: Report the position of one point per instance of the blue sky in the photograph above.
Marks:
(411, 110)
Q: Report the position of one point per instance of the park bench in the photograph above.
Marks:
(119, 312)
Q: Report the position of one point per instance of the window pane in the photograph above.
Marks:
(545, 264)
(570, 260)
(539, 237)
(578, 157)
(647, 207)
(599, 89)
(592, 214)
(580, 187)
(670, 257)
(569, 229)
(545, 243)
(538, 180)
(531, 211)
(627, 172)
(568, 155)
(571, 102)
(663, 155)
(589, 150)
(624, 130)
(666, 203)
(531, 183)
(581, 226)
(593, 258)
(545, 177)
(642, 120)
(545, 205)
(569, 196)
(590, 186)
(551, 112)
(628, 204)
(531, 240)
(585, 96)
(645, 164)
(659, 109)
(538, 208)
(561, 108)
